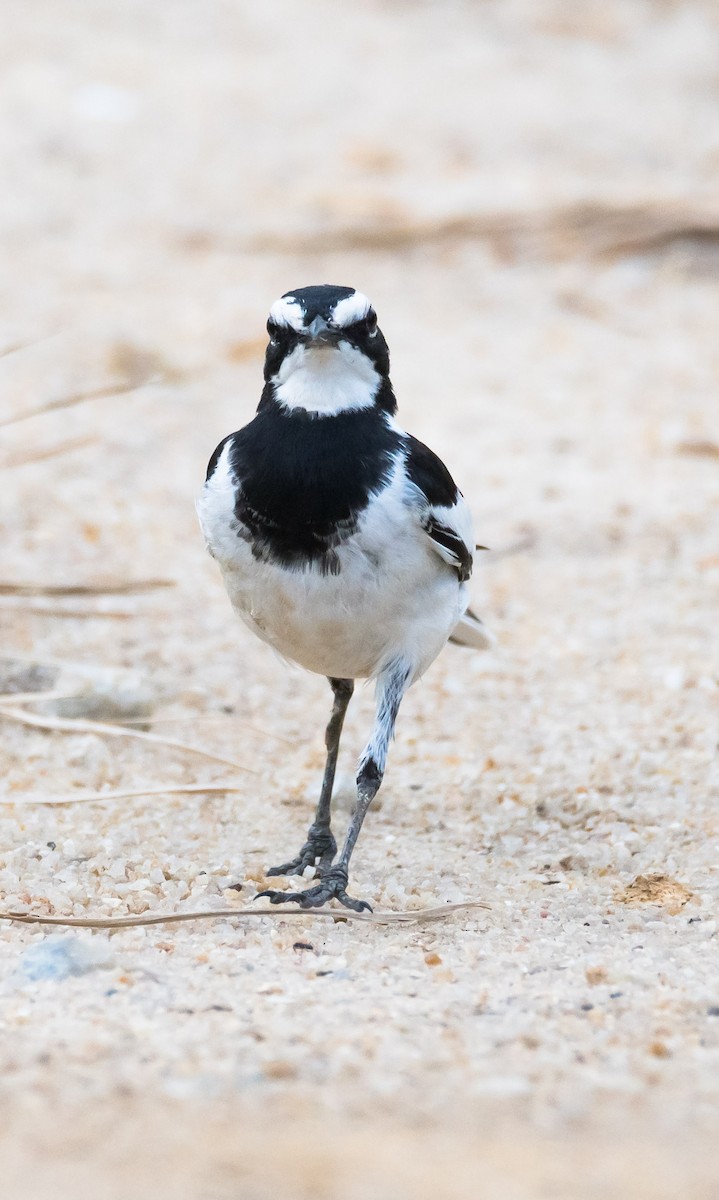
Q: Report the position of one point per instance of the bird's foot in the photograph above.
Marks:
(320, 845)
(332, 886)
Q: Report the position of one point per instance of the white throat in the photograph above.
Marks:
(326, 379)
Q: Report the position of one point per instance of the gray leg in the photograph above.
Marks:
(320, 842)
(391, 686)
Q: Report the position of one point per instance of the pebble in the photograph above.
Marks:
(57, 957)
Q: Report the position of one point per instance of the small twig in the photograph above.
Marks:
(118, 389)
(169, 789)
(44, 452)
(13, 348)
(70, 725)
(211, 719)
(388, 918)
(215, 718)
(16, 347)
(525, 542)
(81, 614)
(596, 229)
(108, 587)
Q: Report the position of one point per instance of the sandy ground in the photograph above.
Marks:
(528, 192)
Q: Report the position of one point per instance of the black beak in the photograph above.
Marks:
(319, 333)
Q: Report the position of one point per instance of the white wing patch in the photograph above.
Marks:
(450, 530)
(215, 509)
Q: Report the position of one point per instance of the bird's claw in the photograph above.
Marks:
(332, 886)
(320, 845)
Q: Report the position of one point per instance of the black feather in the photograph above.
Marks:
(450, 539)
(303, 482)
(430, 475)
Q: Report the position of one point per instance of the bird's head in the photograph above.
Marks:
(326, 353)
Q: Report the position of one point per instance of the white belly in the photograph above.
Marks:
(393, 596)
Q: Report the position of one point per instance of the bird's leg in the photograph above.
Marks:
(320, 842)
(391, 686)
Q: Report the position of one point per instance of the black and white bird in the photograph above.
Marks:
(343, 541)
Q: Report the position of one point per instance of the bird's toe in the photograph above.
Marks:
(320, 846)
(350, 902)
(332, 886)
(277, 897)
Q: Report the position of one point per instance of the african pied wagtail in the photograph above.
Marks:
(343, 541)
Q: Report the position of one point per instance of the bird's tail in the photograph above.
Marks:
(471, 631)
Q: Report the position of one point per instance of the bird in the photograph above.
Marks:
(343, 542)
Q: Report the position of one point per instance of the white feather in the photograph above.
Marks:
(472, 632)
(392, 599)
(326, 379)
(352, 308)
(288, 311)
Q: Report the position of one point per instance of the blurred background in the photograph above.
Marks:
(528, 190)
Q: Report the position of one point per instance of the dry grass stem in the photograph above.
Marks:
(527, 541)
(44, 452)
(101, 587)
(420, 916)
(68, 725)
(169, 789)
(47, 610)
(212, 719)
(596, 229)
(16, 347)
(119, 389)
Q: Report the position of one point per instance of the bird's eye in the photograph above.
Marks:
(272, 329)
(371, 322)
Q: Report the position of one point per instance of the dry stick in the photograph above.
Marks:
(16, 347)
(118, 389)
(92, 797)
(47, 661)
(45, 452)
(109, 587)
(596, 228)
(34, 697)
(389, 918)
(212, 718)
(70, 725)
(79, 614)
(526, 542)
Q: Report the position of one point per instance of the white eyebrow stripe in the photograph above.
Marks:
(352, 308)
(288, 311)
